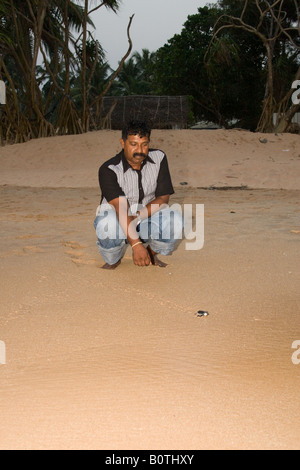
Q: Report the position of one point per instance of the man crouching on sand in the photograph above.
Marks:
(136, 187)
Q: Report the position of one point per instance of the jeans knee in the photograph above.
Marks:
(107, 227)
(178, 224)
(167, 225)
(174, 223)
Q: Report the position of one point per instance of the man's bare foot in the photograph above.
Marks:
(111, 267)
(154, 260)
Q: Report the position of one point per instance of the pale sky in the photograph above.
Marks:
(155, 22)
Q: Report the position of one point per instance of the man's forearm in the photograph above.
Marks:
(126, 221)
(154, 206)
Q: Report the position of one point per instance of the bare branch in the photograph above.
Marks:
(96, 8)
(244, 9)
(276, 30)
(116, 73)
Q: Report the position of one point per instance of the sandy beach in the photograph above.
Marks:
(119, 360)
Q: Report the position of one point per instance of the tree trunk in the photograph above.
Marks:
(286, 111)
(286, 119)
(83, 66)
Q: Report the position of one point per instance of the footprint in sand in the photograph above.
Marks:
(73, 245)
(27, 237)
(77, 254)
(80, 261)
(33, 249)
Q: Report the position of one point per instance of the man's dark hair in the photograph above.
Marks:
(140, 128)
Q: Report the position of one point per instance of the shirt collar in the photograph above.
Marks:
(127, 166)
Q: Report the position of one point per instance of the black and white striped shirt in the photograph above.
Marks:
(117, 178)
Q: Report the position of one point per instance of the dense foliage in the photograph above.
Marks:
(54, 69)
(236, 59)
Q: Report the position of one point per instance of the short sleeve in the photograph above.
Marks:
(164, 181)
(109, 185)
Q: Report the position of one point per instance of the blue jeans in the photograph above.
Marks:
(161, 231)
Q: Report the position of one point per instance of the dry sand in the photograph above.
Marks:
(118, 360)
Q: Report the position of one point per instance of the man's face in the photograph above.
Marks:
(136, 149)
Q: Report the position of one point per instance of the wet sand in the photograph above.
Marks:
(118, 360)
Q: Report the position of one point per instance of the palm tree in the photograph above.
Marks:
(51, 29)
(145, 62)
(33, 28)
(136, 77)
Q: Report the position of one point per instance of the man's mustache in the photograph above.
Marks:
(140, 155)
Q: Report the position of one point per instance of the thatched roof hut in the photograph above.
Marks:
(162, 112)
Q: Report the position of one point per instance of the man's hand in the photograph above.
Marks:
(141, 256)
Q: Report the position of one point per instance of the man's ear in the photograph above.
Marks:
(122, 143)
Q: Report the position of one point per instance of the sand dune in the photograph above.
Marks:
(200, 158)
